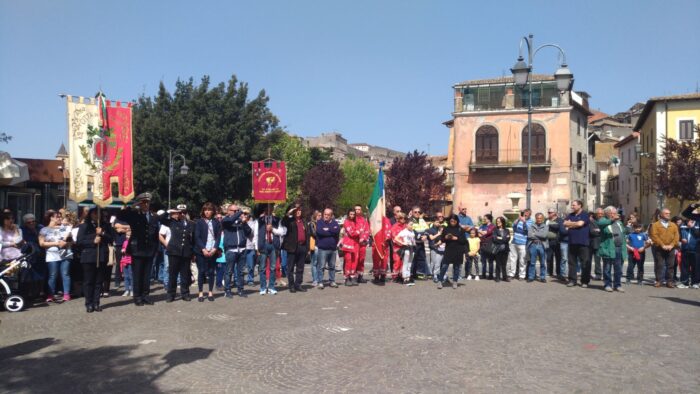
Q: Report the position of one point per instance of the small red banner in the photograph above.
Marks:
(269, 181)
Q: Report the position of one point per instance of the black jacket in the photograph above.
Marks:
(144, 232)
(181, 236)
(236, 232)
(201, 232)
(291, 243)
(86, 242)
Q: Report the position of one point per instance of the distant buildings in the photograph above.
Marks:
(663, 117)
(340, 149)
(489, 151)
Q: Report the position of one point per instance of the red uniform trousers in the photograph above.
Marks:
(380, 259)
(398, 262)
(350, 265)
(361, 254)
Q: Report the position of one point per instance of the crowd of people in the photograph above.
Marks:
(84, 253)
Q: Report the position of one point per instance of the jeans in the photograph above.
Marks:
(516, 259)
(419, 259)
(250, 264)
(579, 253)
(597, 265)
(616, 265)
(564, 262)
(267, 251)
(295, 269)
(220, 270)
(126, 275)
(501, 271)
(472, 260)
(486, 258)
(456, 267)
(314, 267)
(326, 258)
(435, 261)
(163, 272)
(283, 262)
(537, 251)
(639, 263)
(687, 264)
(235, 261)
(54, 267)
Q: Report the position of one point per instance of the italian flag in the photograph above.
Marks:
(377, 209)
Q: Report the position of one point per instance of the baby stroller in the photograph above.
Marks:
(9, 281)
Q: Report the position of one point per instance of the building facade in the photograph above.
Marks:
(489, 134)
(663, 117)
(628, 195)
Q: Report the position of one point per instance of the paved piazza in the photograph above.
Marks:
(482, 337)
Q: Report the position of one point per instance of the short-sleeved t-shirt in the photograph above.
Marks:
(55, 234)
(165, 231)
(579, 236)
(637, 240)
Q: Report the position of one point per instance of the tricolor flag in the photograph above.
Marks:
(377, 209)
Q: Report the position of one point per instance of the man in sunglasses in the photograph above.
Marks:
(418, 267)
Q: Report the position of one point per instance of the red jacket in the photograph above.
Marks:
(363, 227)
(351, 240)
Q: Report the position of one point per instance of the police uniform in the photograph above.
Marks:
(179, 251)
(143, 246)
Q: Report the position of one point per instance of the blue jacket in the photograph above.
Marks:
(687, 234)
(236, 232)
(262, 222)
(201, 231)
(327, 239)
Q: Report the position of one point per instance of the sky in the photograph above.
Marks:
(379, 72)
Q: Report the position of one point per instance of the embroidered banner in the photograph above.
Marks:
(269, 181)
(81, 114)
(116, 153)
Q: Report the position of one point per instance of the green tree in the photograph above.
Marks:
(678, 170)
(358, 184)
(4, 137)
(218, 130)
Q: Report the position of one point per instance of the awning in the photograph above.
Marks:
(12, 171)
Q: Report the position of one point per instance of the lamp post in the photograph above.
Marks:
(62, 155)
(183, 170)
(522, 75)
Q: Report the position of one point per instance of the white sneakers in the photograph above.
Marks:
(476, 277)
(272, 291)
(127, 294)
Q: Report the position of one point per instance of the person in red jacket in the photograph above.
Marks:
(363, 228)
(380, 251)
(350, 246)
(395, 230)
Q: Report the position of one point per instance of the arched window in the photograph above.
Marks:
(486, 145)
(539, 144)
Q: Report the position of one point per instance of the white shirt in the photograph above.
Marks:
(165, 231)
(252, 244)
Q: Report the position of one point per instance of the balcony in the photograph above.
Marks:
(510, 159)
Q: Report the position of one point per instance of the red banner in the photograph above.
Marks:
(117, 152)
(269, 181)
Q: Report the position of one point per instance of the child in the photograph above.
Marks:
(637, 242)
(125, 266)
(473, 255)
(406, 240)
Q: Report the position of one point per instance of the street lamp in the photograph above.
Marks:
(183, 170)
(62, 155)
(521, 74)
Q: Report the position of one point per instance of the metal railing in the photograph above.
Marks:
(511, 156)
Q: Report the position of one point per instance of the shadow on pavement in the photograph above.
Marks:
(101, 369)
(679, 300)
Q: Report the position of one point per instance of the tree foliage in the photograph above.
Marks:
(218, 129)
(678, 170)
(321, 186)
(360, 177)
(413, 180)
(6, 138)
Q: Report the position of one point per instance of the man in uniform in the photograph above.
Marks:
(143, 244)
(179, 251)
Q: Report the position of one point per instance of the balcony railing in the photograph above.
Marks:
(510, 158)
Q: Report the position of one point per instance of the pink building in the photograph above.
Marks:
(488, 138)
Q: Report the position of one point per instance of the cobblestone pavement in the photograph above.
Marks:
(482, 337)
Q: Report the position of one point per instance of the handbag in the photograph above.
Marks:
(497, 248)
